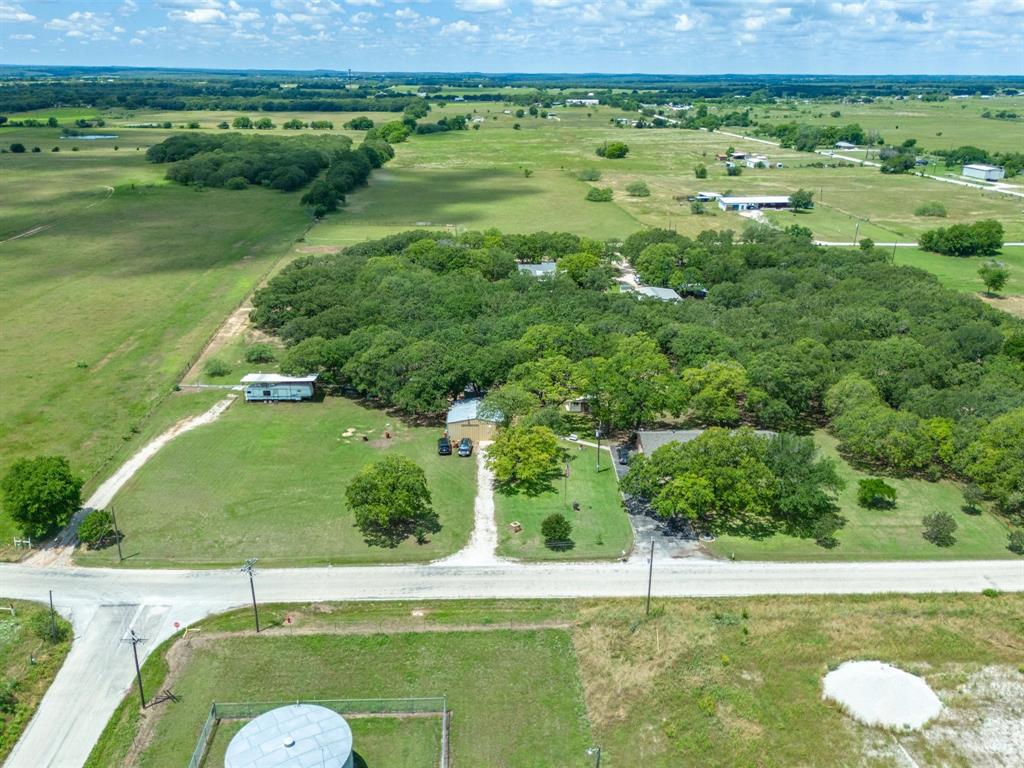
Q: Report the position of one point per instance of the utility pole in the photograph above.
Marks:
(117, 536)
(248, 568)
(53, 621)
(650, 578)
(134, 639)
(856, 232)
(597, 432)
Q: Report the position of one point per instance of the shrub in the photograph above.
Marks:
(612, 150)
(939, 529)
(1015, 541)
(216, 367)
(555, 529)
(96, 529)
(599, 194)
(733, 170)
(982, 238)
(236, 182)
(43, 628)
(934, 208)
(875, 493)
(697, 208)
(638, 189)
(260, 353)
(361, 123)
(589, 174)
(973, 497)
(17, 148)
(700, 171)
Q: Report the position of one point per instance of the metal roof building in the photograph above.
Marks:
(652, 292)
(294, 736)
(648, 441)
(269, 387)
(753, 202)
(464, 421)
(984, 172)
(544, 269)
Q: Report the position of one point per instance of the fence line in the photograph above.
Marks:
(247, 710)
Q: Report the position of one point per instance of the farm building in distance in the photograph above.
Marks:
(845, 145)
(753, 202)
(648, 441)
(983, 172)
(271, 387)
(582, 102)
(464, 420)
(544, 269)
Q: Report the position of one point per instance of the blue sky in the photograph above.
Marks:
(657, 36)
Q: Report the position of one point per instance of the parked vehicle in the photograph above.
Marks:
(623, 453)
(444, 447)
(465, 447)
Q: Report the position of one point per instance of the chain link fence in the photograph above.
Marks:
(430, 705)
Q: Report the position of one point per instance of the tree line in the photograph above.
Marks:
(416, 319)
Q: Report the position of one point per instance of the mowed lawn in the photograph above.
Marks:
(105, 307)
(515, 696)
(961, 273)
(268, 481)
(884, 534)
(600, 528)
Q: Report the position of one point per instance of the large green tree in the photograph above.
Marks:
(391, 501)
(41, 494)
(525, 459)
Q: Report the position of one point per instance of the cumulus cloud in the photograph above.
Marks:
(14, 12)
(23, 37)
(362, 18)
(460, 27)
(199, 15)
(136, 41)
(480, 6)
(684, 23)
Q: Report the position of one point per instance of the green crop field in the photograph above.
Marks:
(601, 527)
(268, 481)
(28, 664)
(712, 682)
(887, 534)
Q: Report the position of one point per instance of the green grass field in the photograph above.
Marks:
(108, 303)
(961, 273)
(28, 664)
(268, 481)
(893, 534)
(709, 682)
(601, 527)
(515, 696)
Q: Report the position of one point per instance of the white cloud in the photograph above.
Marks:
(128, 7)
(552, 3)
(480, 6)
(849, 9)
(684, 23)
(136, 41)
(406, 14)
(14, 12)
(460, 27)
(23, 37)
(374, 3)
(362, 18)
(199, 16)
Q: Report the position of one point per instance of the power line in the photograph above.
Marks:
(249, 568)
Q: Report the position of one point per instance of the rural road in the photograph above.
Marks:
(103, 604)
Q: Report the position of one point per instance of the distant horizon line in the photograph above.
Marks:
(512, 73)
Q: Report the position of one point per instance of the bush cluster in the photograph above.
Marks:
(982, 238)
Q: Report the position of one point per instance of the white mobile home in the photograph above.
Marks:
(753, 202)
(272, 387)
(983, 172)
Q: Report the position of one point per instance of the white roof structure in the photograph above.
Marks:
(665, 294)
(276, 378)
(983, 167)
(467, 410)
(756, 200)
(293, 736)
(544, 269)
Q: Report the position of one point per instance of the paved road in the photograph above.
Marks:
(103, 604)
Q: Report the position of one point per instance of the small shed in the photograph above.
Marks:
(464, 420)
(273, 387)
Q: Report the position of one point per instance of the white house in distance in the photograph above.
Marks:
(272, 387)
(755, 161)
(845, 145)
(983, 172)
(582, 102)
(651, 292)
(753, 202)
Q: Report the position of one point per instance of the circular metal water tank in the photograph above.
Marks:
(293, 736)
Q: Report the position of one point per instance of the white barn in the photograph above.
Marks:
(983, 172)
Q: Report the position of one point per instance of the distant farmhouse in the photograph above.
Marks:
(753, 202)
(582, 102)
(845, 145)
(464, 420)
(544, 269)
(983, 172)
(272, 387)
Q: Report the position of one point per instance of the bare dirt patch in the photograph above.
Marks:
(317, 249)
(1013, 305)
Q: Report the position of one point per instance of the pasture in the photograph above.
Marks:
(715, 682)
(884, 534)
(600, 527)
(268, 481)
(109, 301)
